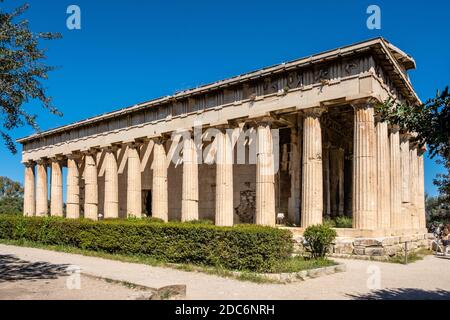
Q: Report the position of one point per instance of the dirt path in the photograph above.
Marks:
(429, 279)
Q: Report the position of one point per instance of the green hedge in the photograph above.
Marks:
(242, 247)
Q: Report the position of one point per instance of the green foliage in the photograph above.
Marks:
(21, 73)
(338, 222)
(11, 196)
(344, 222)
(431, 122)
(242, 247)
(318, 239)
(437, 210)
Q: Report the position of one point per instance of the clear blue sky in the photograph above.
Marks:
(131, 51)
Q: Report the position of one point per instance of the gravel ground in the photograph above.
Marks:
(425, 279)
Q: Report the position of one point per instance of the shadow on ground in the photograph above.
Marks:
(14, 269)
(403, 294)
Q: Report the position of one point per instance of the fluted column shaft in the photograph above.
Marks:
(312, 173)
(413, 187)
(56, 189)
(421, 190)
(111, 206)
(160, 206)
(383, 177)
(91, 187)
(364, 169)
(29, 200)
(395, 178)
(73, 189)
(294, 171)
(337, 181)
(41, 189)
(405, 174)
(189, 196)
(265, 177)
(224, 180)
(134, 186)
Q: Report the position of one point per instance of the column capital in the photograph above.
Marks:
(29, 163)
(315, 112)
(405, 136)
(57, 158)
(42, 161)
(421, 149)
(111, 148)
(393, 128)
(363, 105)
(90, 152)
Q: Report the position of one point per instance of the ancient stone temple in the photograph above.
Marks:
(290, 144)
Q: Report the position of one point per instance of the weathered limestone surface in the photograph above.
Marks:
(421, 191)
(41, 189)
(224, 180)
(134, 190)
(383, 177)
(364, 169)
(73, 188)
(189, 200)
(337, 181)
(395, 177)
(413, 187)
(405, 174)
(294, 171)
(56, 189)
(333, 164)
(159, 190)
(312, 185)
(265, 180)
(91, 187)
(111, 206)
(29, 200)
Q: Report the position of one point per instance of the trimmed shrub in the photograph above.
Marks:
(242, 247)
(318, 239)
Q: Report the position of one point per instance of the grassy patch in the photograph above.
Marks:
(412, 256)
(299, 263)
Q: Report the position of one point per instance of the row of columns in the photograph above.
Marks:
(388, 174)
(387, 189)
(36, 198)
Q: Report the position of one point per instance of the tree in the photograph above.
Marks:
(21, 73)
(431, 122)
(11, 196)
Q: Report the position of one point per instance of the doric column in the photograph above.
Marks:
(326, 146)
(265, 176)
(395, 178)
(29, 200)
(41, 189)
(312, 184)
(224, 180)
(160, 205)
(421, 189)
(189, 196)
(383, 177)
(134, 186)
(56, 193)
(405, 174)
(364, 169)
(73, 187)
(111, 206)
(413, 186)
(337, 181)
(91, 186)
(294, 171)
